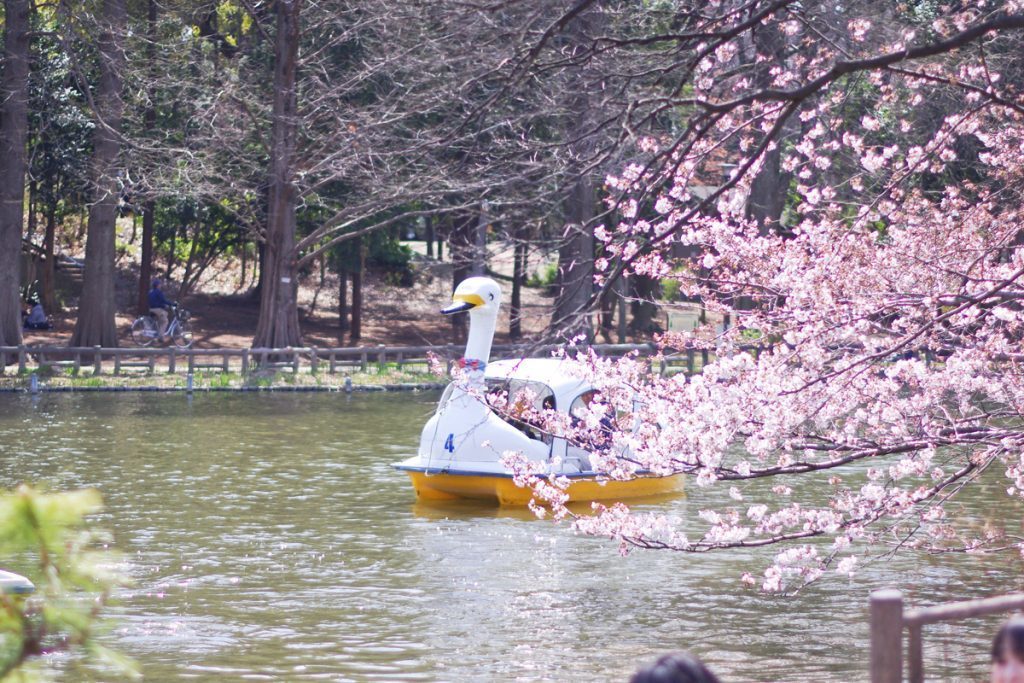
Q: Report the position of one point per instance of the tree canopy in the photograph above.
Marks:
(885, 297)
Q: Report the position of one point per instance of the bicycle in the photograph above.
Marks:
(178, 329)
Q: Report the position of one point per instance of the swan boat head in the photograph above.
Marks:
(481, 297)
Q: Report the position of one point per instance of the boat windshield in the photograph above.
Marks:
(520, 395)
(517, 401)
(622, 419)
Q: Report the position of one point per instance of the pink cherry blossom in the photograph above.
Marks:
(876, 358)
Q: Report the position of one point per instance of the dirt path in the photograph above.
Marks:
(391, 315)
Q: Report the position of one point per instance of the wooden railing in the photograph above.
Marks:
(889, 619)
(173, 360)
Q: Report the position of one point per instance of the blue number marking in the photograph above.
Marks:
(449, 444)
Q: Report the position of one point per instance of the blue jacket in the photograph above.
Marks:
(157, 299)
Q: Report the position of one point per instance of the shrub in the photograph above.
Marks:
(72, 576)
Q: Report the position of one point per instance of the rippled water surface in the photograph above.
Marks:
(270, 540)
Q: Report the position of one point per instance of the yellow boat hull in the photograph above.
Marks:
(442, 486)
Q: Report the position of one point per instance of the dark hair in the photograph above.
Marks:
(156, 282)
(679, 667)
(1009, 638)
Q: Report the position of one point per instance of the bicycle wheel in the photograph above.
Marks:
(182, 336)
(144, 331)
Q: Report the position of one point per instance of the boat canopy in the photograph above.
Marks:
(554, 373)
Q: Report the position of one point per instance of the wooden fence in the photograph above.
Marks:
(173, 360)
(889, 619)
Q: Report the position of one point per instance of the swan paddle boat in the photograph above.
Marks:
(15, 584)
(462, 444)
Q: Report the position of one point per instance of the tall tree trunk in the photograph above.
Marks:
(478, 265)
(190, 264)
(645, 291)
(96, 325)
(146, 267)
(576, 253)
(322, 260)
(576, 263)
(49, 279)
(83, 221)
(608, 301)
(245, 261)
(149, 206)
(356, 333)
(342, 302)
(460, 250)
(428, 236)
(259, 267)
(33, 193)
(278, 324)
(515, 323)
(13, 136)
(172, 254)
(767, 196)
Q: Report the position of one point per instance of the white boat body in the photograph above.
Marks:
(15, 584)
(466, 435)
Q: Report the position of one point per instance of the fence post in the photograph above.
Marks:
(97, 366)
(332, 363)
(245, 362)
(915, 654)
(21, 359)
(886, 636)
(314, 361)
(382, 355)
(225, 366)
(295, 360)
(117, 363)
(363, 361)
(172, 360)
(191, 363)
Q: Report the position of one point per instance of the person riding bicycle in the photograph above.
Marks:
(158, 305)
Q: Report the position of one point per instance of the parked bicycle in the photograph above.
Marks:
(178, 329)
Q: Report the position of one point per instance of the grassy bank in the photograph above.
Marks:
(387, 377)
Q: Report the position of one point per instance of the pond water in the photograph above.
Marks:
(270, 540)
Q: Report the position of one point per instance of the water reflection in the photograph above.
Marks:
(269, 538)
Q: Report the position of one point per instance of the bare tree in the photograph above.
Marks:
(381, 113)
